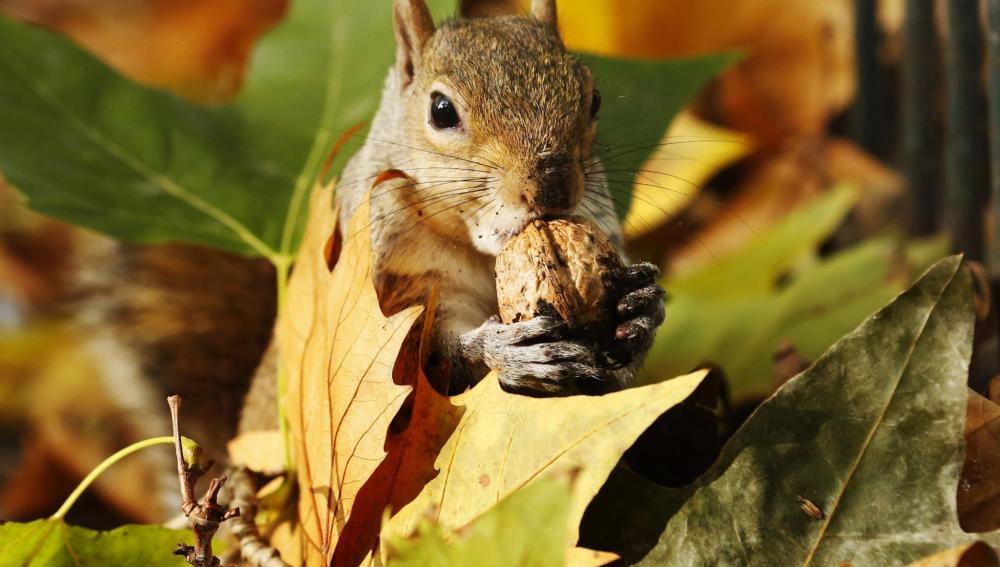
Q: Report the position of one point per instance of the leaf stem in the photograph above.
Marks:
(282, 266)
(105, 465)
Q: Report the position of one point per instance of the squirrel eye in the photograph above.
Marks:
(443, 113)
(595, 103)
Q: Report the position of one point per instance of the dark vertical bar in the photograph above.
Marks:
(921, 117)
(868, 114)
(967, 150)
(993, 35)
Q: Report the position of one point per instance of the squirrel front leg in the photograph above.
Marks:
(535, 357)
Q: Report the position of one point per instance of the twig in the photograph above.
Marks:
(253, 548)
(205, 517)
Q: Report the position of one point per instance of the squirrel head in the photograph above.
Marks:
(496, 115)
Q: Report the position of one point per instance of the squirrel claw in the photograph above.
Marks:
(642, 312)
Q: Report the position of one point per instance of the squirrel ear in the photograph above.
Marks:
(414, 26)
(544, 11)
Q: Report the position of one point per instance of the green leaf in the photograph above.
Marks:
(527, 528)
(88, 146)
(758, 266)
(736, 314)
(871, 435)
(52, 543)
(311, 80)
(640, 98)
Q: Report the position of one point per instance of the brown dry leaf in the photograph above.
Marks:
(979, 485)
(972, 555)
(799, 66)
(196, 47)
(337, 352)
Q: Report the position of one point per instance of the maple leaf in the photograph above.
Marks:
(337, 352)
(460, 456)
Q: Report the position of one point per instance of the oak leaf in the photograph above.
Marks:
(337, 354)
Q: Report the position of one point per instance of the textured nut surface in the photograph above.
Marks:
(568, 264)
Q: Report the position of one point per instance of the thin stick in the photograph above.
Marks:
(206, 517)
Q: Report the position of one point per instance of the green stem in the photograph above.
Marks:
(105, 465)
(282, 266)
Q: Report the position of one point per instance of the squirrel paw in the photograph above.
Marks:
(534, 358)
(640, 312)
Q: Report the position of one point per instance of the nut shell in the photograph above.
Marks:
(565, 264)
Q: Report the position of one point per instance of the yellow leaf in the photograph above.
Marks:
(972, 555)
(672, 177)
(583, 557)
(499, 442)
(337, 354)
(259, 451)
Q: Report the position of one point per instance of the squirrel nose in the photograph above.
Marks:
(553, 192)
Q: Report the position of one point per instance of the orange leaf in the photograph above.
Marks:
(195, 47)
(337, 352)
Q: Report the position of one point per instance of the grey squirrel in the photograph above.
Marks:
(492, 124)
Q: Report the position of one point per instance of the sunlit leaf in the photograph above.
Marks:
(672, 177)
(338, 352)
(641, 98)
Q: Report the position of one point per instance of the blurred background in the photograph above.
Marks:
(847, 149)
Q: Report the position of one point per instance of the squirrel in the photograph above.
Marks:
(489, 123)
(492, 123)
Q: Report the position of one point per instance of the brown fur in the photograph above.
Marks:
(198, 320)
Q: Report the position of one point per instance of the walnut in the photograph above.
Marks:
(567, 265)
